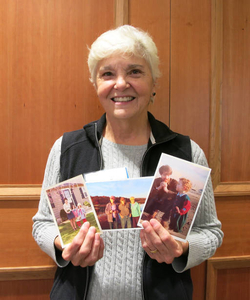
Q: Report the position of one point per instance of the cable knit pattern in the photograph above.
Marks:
(117, 155)
(118, 274)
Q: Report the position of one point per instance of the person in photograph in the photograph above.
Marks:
(181, 205)
(136, 264)
(164, 182)
(70, 215)
(74, 210)
(135, 211)
(124, 213)
(81, 215)
(111, 211)
(162, 195)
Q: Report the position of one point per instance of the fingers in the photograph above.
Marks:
(71, 250)
(86, 248)
(152, 243)
(155, 237)
(97, 250)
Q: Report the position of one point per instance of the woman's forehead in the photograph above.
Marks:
(128, 61)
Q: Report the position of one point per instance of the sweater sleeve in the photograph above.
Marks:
(206, 234)
(44, 228)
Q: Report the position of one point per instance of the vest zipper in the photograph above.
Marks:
(99, 148)
(144, 155)
(142, 285)
(156, 143)
(87, 283)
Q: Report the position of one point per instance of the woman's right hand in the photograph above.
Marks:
(86, 248)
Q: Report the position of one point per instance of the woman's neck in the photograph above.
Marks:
(127, 132)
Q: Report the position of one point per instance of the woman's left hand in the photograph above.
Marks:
(159, 244)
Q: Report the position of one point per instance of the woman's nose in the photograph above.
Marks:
(121, 83)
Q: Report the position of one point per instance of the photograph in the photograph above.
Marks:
(175, 194)
(71, 206)
(106, 175)
(119, 203)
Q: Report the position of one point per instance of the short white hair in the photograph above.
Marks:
(125, 40)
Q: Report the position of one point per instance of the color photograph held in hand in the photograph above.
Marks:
(71, 206)
(175, 195)
(119, 203)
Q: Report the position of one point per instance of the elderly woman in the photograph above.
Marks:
(124, 264)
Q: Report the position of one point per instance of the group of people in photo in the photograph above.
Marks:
(168, 201)
(126, 213)
(76, 215)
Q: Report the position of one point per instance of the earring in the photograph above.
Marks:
(152, 98)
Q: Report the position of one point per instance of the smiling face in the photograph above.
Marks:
(124, 86)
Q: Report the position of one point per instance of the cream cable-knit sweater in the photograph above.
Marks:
(117, 275)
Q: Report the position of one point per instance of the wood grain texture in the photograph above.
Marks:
(155, 19)
(27, 273)
(236, 92)
(46, 89)
(216, 90)
(190, 69)
(19, 249)
(198, 275)
(20, 192)
(228, 278)
(232, 189)
(230, 173)
(121, 12)
(25, 289)
(233, 214)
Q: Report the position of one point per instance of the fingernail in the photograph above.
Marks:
(145, 224)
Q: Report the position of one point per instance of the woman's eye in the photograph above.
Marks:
(135, 72)
(107, 74)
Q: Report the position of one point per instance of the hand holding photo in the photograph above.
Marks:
(71, 206)
(175, 195)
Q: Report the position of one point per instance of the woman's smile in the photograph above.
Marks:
(122, 99)
(128, 83)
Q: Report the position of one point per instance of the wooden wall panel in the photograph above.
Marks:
(46, 88)
(198, 275)
(19, 248)
(234, 284)
(233, 213)
(229, 146)
(190, 69)
(228, 278)
(25, 290)
(236, 74)
(156, 20)
(45, 91)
